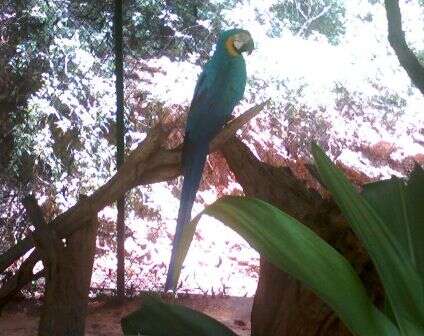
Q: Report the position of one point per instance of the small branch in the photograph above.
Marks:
(406, 57)
(309, 20)
(23, 276)
(301, 11)
(15, 252)
(234, 125)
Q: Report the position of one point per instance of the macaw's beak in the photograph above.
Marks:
(248, 47)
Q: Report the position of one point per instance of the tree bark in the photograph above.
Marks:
(68, 271)
(282, 305)
(66, 297)
(120, 146)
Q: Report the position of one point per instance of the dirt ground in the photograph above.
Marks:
(21, 318)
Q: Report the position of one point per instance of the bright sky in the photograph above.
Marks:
(363, 57)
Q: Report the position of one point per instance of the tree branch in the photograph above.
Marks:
(23, 276)
(126, 178)
(148, 163)
(45, 241)
(406, 57)
(310, 20)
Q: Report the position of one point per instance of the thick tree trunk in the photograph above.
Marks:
(282, 305)
(66, 297)
(68, 269)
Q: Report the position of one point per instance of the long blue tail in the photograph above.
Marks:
(194, 157)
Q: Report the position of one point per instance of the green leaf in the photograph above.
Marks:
(399, 205)
(387, 198)
(157, 318)
(401, 282)
(296, 249)
(415, 200)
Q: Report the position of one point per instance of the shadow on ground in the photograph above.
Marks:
(20, 318)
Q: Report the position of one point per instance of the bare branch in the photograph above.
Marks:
(234, 125)
(406, 57)
(125, 179)
(148, 163)
(310, 20)
(299, 8)
(19, 279)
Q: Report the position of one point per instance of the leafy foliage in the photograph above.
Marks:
(21, 67)
(401, 279)
(151, 28)
(306, 17)
(388, 220)
(294, 248)
(401, 213)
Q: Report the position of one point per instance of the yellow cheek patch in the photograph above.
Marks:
(229, 45)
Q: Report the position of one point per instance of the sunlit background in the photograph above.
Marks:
(332, 78)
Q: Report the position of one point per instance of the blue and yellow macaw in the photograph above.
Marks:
(218, 90)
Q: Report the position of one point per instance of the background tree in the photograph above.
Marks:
(75, 40)
(120, 146)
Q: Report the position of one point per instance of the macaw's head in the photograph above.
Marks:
(236, 41)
